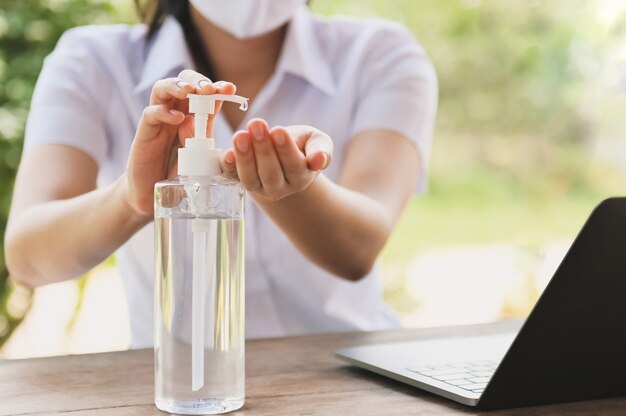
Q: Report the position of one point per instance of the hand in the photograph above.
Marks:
(277, 163)
(165, 123)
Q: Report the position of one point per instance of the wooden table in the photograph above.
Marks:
(285, 376)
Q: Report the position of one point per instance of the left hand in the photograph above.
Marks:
(273, 164)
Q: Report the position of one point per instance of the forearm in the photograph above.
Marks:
(339, 229)
(63, 239)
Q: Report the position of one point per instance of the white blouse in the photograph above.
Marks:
(339, 75)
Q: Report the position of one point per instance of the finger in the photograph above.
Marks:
(225, 87)
(318, 161)
(318, 150)
(158, 114)
(291, 159)
(244, 160)
(165, 90)
(198, 80)
(268, 166)
(186, 129)
(229, 167)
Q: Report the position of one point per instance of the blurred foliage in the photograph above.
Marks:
(526, 94)
(29, 29)
(514, 126)
(513, 78)
(517, 124)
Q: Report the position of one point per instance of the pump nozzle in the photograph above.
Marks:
(205, 104)
(199, 156)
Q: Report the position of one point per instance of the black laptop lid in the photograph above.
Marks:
(573, 344)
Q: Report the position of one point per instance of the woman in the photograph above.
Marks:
(109, 111)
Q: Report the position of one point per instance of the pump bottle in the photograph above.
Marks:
(199, 288)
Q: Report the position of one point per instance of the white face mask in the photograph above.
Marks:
(247, 18)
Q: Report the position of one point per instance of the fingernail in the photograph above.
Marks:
(230, 158)
(242, 144)
(182, 84)
(279, 137)
(257, 131)
(174, 112)
(326, 159)
(204, 83)
(220, 83)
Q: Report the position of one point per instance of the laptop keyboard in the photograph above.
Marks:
(472, 376)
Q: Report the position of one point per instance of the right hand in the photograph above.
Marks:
(164, 125)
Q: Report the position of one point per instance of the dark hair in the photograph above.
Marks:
(154, 12)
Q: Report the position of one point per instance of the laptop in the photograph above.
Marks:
(571, 347)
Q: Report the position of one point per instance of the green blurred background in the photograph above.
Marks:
(528, 137)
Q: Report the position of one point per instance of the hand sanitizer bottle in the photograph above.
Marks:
(199, 288)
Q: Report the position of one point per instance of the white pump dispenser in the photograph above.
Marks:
(199, 289)
(200, 157)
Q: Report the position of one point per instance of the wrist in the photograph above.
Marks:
(314, 192)
(135, 217)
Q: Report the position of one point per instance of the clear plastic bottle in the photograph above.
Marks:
(199, 290)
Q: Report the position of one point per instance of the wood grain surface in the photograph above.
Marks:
(284, 376)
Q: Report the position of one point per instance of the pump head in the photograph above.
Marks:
(199, 157)
(205, 104)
